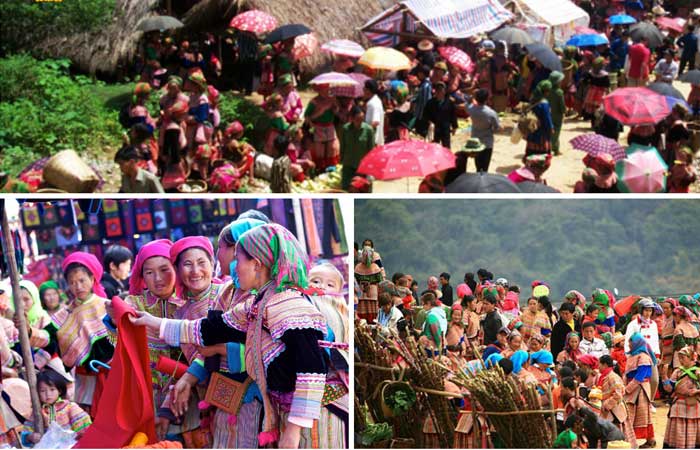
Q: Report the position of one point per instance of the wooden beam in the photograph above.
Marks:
(23, 325)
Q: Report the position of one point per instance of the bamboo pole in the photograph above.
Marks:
(23, 325)
(553, 416)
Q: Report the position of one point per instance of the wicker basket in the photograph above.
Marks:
(68, 172)
(389, 388)
(50, 191)
(193, 187)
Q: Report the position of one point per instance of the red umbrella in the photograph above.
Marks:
(254, 21)
(409, 158)
(456, 57)
(304, 45)
(670, 24)
(636, 106)
(623, 306)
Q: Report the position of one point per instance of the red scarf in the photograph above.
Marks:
(127, 400)
(604, 372)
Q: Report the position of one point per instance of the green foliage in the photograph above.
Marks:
(376, 432)
(45, 110)
(27, 22)
(235, 107)
(401, 400)
(637, 246)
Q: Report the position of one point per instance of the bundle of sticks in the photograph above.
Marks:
(513, 407)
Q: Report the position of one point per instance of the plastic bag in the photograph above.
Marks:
(57, 437)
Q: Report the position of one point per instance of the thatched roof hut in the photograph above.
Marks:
(102, 51)
(329, 19)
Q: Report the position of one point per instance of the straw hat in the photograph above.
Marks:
(57, 366)
(425, 45)
(659, 11)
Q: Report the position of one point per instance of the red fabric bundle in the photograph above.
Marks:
(168, 366)
(127, 400)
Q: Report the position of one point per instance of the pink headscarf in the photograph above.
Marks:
(462, 290)
(92, 264)
(160, 247)
(187, 243)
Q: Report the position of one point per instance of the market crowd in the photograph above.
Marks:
(607, 361)
(263, 339)
(185, 137)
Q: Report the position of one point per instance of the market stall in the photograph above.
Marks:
(549, 22)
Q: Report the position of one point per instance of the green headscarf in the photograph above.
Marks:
(689, 302)
(46, 285)
(36, 312)
(277, 249)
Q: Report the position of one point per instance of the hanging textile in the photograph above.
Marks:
(195, 211)
(231, 207)
(113, 221)
(160, 215)
(30, 216)
(67, 236)
(313, 242)
(340, 222)
(66, 215)
(278, 211)
(143, 216)
(128, 389)
(49, 215)
(178, 212)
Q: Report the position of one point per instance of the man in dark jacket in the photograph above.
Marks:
(447, 298)
(442, 113)
(117, 263)
(689, 44)
(492, 322)
(564, 326)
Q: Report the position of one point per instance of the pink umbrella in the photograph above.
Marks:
(304, 45)
(595, 144)
(671, 24)
(409, 158)
(335, 79)
(254, 21)
(343, 47)
(353, 91)
(642, 172)
(456, 57)
(585, 30)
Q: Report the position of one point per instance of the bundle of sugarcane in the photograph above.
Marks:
(513, 407)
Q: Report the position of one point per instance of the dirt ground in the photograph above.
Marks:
(660, 421)
(562, 175)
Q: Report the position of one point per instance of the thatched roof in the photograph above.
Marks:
(103, 50)
(329, 19)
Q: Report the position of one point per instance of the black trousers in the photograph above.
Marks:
(483, 159)
(443, 137)
(691, 64)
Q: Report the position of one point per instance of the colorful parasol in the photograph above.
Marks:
(343, 47)
(304, 45)
(642, 172)
(621, 19)
(595, 144)
(334, 79)
(384, 58)
(411, 158)
(636, 106)
(352, 91)
(675, 24)
(456, 57)
(254, 21)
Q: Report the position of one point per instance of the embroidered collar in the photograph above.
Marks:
(201, 295)
(152, 299)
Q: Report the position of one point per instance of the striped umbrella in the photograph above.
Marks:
(642, 172)
(456, 57)
(304, 45)
(354, 91)
(334, 79)
(343, 47)
(254, 21)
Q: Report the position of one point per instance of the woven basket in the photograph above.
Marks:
(68, 172)
(50, 191)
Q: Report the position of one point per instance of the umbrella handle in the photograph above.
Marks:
(99, 365)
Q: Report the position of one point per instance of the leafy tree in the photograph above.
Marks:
(27, 22)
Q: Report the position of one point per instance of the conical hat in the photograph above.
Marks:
(57, 366)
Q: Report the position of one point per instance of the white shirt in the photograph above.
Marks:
(650, 333)
(667, 71)
(596, 348)
(389, 320)
(375, 113)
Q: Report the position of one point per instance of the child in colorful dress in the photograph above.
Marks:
(54, 407)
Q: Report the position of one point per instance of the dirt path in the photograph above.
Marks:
(563, 174)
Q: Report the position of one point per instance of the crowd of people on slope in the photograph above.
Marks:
(269, 323)
(606, 371)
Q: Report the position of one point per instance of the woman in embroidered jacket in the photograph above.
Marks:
(82, 336)
(613, 407)
(684, 334)
(40, 327)
(683, 429)
(281, 330)
(193, 258)
(640, 361)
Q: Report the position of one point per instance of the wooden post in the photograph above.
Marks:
(553, 415)
(23, 325)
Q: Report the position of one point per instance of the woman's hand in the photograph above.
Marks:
(147, 320)
(181, 394)
(211, 350)
(291, 436)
